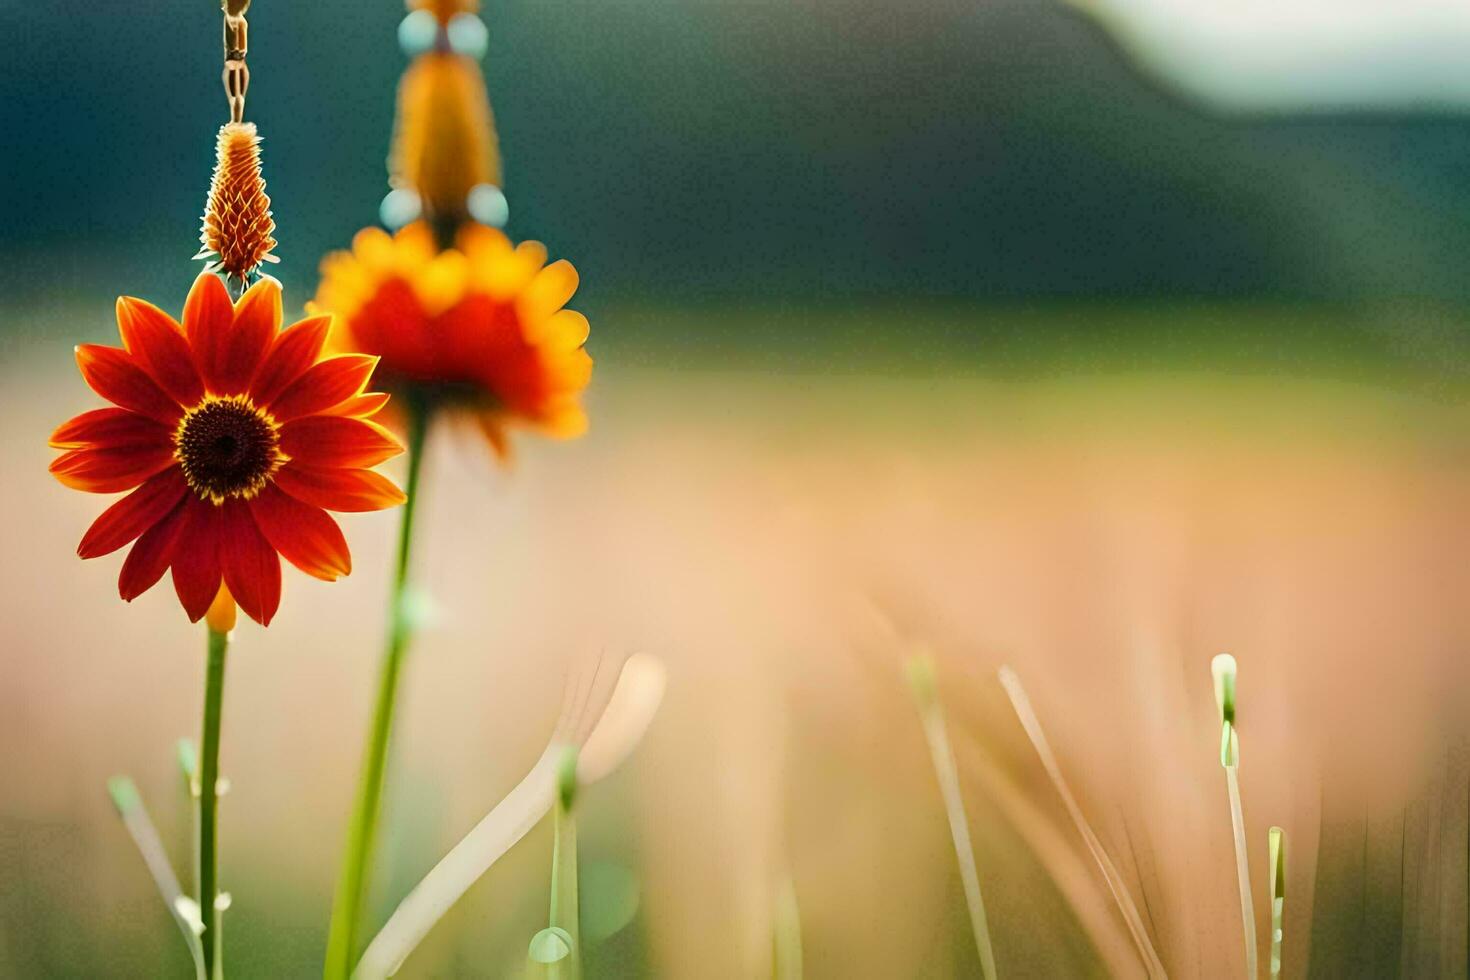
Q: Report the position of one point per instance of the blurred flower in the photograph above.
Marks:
(237, 436)
(237, 225)
(480, 327)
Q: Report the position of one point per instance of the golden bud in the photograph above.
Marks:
(444, 138)
(221, 614)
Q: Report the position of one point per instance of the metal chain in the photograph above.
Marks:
(236, 74)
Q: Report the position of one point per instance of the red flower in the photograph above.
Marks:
(234, 437)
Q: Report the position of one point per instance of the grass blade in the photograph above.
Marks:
(1031, 723)
(1223, 670)
(1277, 839)
(924, 684)
(618, 729)
(129, 805)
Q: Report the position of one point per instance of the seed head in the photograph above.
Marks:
(237, 226)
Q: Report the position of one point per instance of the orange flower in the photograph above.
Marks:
(237, 436)
(480, 327)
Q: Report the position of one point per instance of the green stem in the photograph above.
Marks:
(565, 910)
(342, 939)
(214, 690)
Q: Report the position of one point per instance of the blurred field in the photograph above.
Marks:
(1105, 524)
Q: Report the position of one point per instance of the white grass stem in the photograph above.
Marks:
(615, 732)
(1031, 723)
(1243, 872)
(145, 836)
(922, 681)
(188, 759)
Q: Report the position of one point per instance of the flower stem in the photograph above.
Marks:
(214, 690)
(362, 833)
(565, 913)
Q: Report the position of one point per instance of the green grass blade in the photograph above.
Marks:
(1277, 846)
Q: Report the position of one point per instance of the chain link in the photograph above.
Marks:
(236, 74)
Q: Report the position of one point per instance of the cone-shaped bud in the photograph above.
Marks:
(237, 226)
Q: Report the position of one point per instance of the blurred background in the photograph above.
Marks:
(990, 313)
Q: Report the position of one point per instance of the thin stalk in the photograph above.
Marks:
(564, 899)
(1276, 839)
(565, 913)
(924, 685)
(1032, 724)
(145, 835)
(1223, 670)
(214, 690)
(362, 833)
(1242, 872)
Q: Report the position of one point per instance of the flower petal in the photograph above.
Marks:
(257, 320)
(334, 440)
(157, 343)
(294, 350)
(132, 515)
(564, 330)
(492, 426)
(229, 347)
(110, 428)
(547, 292)
(337, 489)
(208, 314)
(149, 558)
(114, 375)
(251, 567)
(394, 324)
(325, 384)
(303, 534)
(361, 406)
(567, 422)
(195, 559)
(110, 470)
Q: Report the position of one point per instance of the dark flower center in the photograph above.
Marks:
(227, 448)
